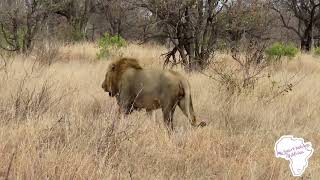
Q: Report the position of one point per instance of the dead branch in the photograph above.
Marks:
(170, 55)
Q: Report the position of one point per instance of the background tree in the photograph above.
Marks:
(245, 28)
(77, 13)
(193, 30)
(189, 25)
(20, 21)
(246, 18)
(299, 16)
(115, 12)
(316, 34)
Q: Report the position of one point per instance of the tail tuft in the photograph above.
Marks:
(202, 124)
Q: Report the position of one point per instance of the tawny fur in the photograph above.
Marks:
(137, 88)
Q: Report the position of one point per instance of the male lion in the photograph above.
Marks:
(138, 88)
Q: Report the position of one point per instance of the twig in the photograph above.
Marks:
(287, 87)
(10, 165)
(130, 175)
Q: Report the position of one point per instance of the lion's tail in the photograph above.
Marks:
(186, 104)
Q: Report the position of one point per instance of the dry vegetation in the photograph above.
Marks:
(57, 123)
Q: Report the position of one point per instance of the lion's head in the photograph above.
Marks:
(114, 73)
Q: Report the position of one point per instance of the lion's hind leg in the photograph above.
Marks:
(191, 117)
(188, 111)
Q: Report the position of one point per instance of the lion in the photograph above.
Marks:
(136, 88)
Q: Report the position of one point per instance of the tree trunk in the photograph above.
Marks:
(191, 44)
(306, 41)
(305, 45)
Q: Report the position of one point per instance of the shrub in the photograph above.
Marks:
(110, 44)
(317, 51)
(47, 54)
(279, 50)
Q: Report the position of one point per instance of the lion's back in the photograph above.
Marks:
(160, 79)
(153, 84)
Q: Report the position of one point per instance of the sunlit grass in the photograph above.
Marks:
(57, 123)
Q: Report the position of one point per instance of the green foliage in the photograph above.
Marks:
(317, 51)
(110, 44)
(279, 50)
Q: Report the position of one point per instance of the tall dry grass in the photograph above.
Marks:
(57, 123)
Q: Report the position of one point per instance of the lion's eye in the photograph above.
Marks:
(113, 67)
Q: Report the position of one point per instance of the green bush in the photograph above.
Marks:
(317, 51)
(110, 44)
(279, 50)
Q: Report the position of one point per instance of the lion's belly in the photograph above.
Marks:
(147, 101)
(151, 88)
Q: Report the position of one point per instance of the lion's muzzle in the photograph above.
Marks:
(103, 86)
(106, 89)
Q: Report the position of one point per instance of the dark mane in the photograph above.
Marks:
(124, 63)
(119, 66)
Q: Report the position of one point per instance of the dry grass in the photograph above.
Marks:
(57, 123)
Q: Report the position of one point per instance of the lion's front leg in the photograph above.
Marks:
(125, 105)
(123, 111)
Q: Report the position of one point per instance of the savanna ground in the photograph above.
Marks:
(57, 123)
